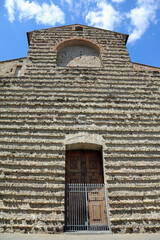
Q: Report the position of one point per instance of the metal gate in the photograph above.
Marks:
(86, 208)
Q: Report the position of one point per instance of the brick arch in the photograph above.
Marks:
(77, 41)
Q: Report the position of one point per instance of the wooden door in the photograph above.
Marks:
(96, 207)
(84, 167)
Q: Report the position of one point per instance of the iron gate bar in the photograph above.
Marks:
(86, 208)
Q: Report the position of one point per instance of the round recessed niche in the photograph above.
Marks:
(77, 55)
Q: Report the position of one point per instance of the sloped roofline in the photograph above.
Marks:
(146, 65)
(29, 34)
(13, 59)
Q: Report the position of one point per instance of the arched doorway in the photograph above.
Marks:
(85, 193)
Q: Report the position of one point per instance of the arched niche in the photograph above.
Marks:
(78, 53)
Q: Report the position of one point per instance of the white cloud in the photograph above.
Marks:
(78, 8)
(10, 5)
(69, 1)
(43, 14)
(118, 1)
(141, 17)
(104, 16)
(98, 13)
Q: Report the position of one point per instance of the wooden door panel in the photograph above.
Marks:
(85, 165)
(75, 178)
(93, 167)
(95, 213)
(74, 162)
(73, 167)
(93, 179)
(92, 164)
(96, 206)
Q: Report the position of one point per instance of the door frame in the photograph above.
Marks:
(89, 146)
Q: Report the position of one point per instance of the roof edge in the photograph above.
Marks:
(14, 59)
(29, 34)
(146, 66)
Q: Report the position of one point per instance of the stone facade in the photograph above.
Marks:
(51, 108)
(13, 68)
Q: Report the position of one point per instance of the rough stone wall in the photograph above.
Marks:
(8, 68)
(39, 111)
(143, 67)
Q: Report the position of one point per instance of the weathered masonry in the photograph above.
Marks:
(79, 136)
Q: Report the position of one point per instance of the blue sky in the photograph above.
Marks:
(138, 18)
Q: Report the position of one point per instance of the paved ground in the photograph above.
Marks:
(11, 236)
